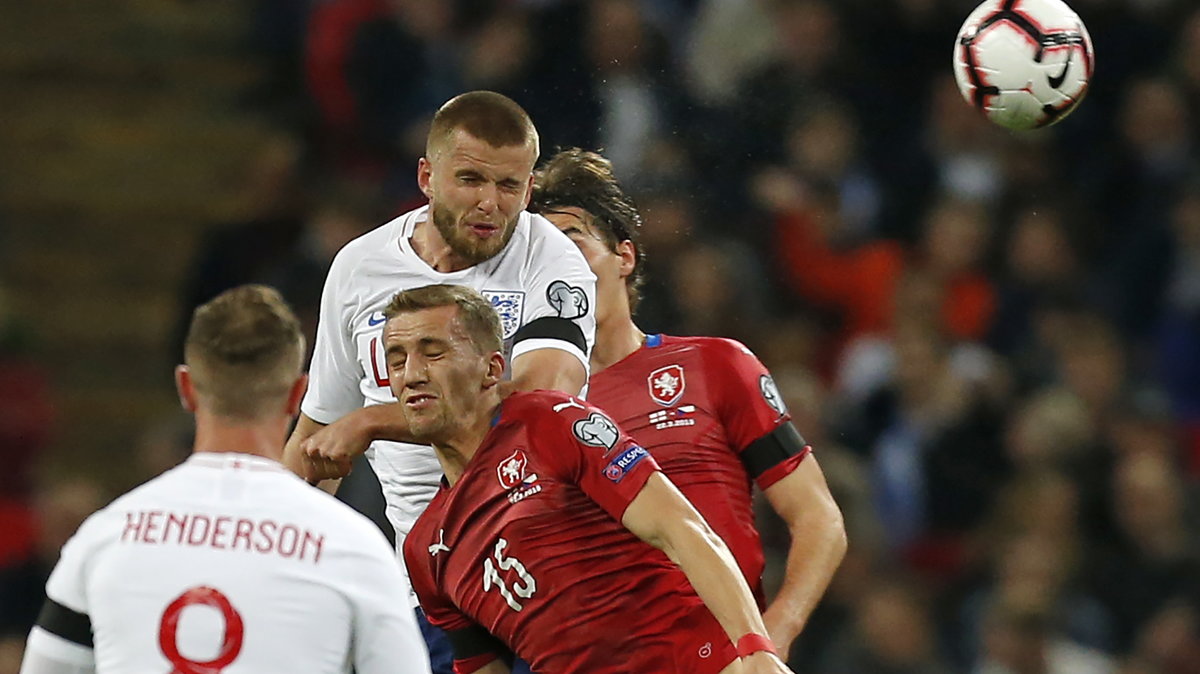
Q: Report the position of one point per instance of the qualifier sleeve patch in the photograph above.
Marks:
(568, 301)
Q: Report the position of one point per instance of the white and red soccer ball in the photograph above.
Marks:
(1023, 63)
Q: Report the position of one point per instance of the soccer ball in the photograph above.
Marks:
(1024, 64)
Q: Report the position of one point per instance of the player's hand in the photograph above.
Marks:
(330, 452)
(763, 662)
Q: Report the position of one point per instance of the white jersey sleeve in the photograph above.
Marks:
(61, 642)
(48, 653)
(561, 296)
(334, 374)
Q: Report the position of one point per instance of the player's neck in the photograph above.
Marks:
(261, 438)
(456, 453)
(429, 245)
(617, 336)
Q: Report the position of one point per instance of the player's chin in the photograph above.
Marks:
(425, 427)
(478, 249)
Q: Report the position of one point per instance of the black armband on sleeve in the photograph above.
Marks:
(474, 641)
(61, 621)
(772, 449)
(552, 327)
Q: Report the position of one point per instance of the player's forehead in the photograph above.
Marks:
(568, 218)
(410, 329)
(461, 151)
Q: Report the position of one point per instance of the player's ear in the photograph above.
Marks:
(528, 191)
(296, 394)
(425, 177)
(628, 254)
(495, 370)
(186, 387)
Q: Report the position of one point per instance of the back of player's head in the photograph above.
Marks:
(581, 179)
(491, 117)
(245, 351)
(476, 316)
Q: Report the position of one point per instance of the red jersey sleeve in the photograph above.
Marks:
(753, 413)
(586, 447)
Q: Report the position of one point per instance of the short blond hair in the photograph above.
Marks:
(245, 351)
(491, 117)
(475, 313)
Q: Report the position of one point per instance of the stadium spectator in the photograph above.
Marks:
(558, 496)
(1022, 638)
(272, 199)
(723, 421)
(1041, 261)
(932, 437)
(377, 69)
(1138, 180)
(27, 414)
(232, 530)
(58, 509)
(893, 631)
(477, 173)
(1177, 341)
(1041, 574)
(1153, 558)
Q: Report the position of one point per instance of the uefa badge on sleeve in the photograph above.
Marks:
(770, 393)
(597, 430)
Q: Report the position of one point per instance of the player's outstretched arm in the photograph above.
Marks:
(818, 533)
(319, 452)
(661, 516)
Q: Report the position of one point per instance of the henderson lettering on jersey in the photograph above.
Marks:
(221, 532)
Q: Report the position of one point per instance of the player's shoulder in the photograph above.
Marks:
(542, 407)
(371, 244)
(533, 403)
(717, 349)
(318, 504)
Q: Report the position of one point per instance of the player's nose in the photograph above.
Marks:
(488, 198)
(415, 374)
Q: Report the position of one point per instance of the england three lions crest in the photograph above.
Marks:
(666, 384)
(511, 307)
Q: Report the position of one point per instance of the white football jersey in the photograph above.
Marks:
(228, 563)
(539, 274)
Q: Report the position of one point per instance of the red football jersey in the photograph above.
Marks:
(529, 545)
(697, 403)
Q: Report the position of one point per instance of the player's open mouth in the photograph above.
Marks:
(419, 401)
(483, 229)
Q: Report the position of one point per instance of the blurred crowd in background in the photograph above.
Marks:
(991, 339)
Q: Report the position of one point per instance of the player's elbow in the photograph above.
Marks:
(825, 526)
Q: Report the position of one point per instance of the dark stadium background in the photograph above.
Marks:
(992, 339)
